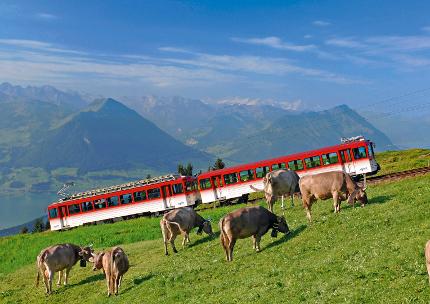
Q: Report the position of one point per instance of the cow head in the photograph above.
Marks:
(86, 255)
(360, 195)
(280, 225)
(98, 260)
(207, 228)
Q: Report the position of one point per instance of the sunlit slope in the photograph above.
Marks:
(362, 255)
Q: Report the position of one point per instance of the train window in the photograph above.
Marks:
(261, 171)
(177, 188)
(279, 166)
(191, 185)
(100, 203)
(329, 158)
(86, 206)
(371, 153)
(139, 196)
(154, 193)
(230, 178)
(295, 164)
(359, 152)
(53, 213)
(112, 201)
(125, 198)
(205, 183)
(246, 175)
(73, 209)
(345, 155)
(313, 161)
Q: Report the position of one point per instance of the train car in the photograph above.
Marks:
(145, 196)
(354, 156)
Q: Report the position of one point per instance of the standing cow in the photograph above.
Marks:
(60, 258)
(337, 185)
(427, 254)
(278, 184)
(115, 264)
(182, 221)
(246, 222)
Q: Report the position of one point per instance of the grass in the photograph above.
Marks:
(362, 255)
(395, 161)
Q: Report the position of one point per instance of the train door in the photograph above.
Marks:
(217, 183)
(167, 196)
(63, 216)
(347, 163)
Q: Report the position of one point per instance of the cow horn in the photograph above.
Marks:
(364, 188)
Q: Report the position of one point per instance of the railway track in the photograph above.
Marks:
(398, 175)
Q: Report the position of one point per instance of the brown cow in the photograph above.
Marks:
(62, 258)
(337, 185)
(246, 222)
(115, 264)
(427, 254)
(181, 221)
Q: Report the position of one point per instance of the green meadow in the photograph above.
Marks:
(373, 254)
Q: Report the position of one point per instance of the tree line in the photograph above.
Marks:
(187, 170)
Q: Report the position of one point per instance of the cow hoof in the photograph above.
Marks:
(166, 253)
(175, 251)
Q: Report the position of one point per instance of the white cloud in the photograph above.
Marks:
(276, 43)
(345, 42)
(321, 23)
(46, 16)
(37, 45)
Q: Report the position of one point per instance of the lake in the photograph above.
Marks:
(22, 208)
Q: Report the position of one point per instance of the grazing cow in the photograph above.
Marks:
(427, 254)
(60, 258)
(337, 185)
(277, 184)
(181, 221)
(246, 222)
(115, 264)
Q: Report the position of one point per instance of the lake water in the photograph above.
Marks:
(19, 209)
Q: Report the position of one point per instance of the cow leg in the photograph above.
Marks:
(223, 240)
(60, 275)
(292, 199)
(50, 278)
(108, 283)
(120, 281)
(428, 269)
(254, 246)
(66, 275)
(257, 242)
(166, 236)
(307, 202)
(172, 243)
(282, 202)
(46, 280)
(230, 249)
(336, 202)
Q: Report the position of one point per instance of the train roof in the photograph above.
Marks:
(129, 185)
(344, 143)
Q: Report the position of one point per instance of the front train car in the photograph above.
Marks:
(152, 195)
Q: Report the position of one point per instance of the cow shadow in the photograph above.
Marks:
(91, 279)
(381, 199)
(205, 239)
(286, 237)
(137, 281)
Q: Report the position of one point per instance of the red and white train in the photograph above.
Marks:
(354, 156)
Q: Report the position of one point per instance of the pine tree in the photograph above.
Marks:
(24, 230)
(219, 164)
(38, 225)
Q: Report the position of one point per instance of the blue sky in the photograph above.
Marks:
(319, 53)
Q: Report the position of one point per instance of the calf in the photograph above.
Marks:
(246, 222)
(60, 258)
(115, 264)
(427, 254)
(181, 221)
(337, 185)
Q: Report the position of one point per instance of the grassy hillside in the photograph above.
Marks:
(395, 161)
(362, 255)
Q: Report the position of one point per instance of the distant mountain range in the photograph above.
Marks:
(48, 136)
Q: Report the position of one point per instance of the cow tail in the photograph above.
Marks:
(163, 229)
(39, 264)
(256, 189)
(223, 234)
